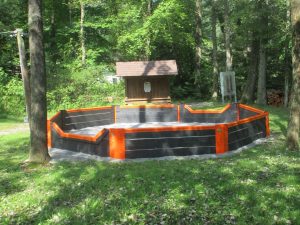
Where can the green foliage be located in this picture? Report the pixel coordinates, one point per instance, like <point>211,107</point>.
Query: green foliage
<point>118,30</point>
<point>12,97</point>
<point>83,88</point>
<point>258,186</point>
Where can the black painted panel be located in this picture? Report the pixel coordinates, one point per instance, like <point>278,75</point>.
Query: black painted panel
<point>259,125</point>
<point>87,117</point>
<point>244,113</point>
<point>229,115</point>
<point>242,142</point>
<point>245,134</point>
<point>144,115</point>
<point>79,120</point>
<point>180,133</point>
<point>99,148</point>
<point>169,143</point>
<point>169,152</point>
<point>154,143</point>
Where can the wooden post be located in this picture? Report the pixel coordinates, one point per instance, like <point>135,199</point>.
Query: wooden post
<point>24,71</point>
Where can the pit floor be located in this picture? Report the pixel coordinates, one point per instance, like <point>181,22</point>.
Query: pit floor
<point>92,131</point>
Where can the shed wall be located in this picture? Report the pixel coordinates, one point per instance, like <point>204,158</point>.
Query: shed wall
<point>159,88</point>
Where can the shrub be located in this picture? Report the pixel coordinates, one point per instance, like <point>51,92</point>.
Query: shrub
<point>12,98</point>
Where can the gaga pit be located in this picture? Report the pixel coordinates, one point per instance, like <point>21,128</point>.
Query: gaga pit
<point>129,132</point>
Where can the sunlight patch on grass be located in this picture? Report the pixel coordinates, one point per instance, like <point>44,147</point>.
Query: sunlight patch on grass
<point>257,186</point>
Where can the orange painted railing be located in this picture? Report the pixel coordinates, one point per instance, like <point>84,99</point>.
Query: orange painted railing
<point>117,135</point>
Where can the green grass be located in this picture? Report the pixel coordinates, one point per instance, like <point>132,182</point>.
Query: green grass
<point>258,186</point>
<point>10,122</point>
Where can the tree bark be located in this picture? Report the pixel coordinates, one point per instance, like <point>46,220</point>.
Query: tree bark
<point>249,88</point>
<point>70,12</point>
<point>263,40</point>
<point>148,39</point>
<point>198,40</point>
<point>215,50</point>
<point>261,86</point>
<point>53,45</point>
<point>292,140</point>
<point>82,34</point>
<point>287,56</point>
<point>38,126</point>
<point>24,71</point>
<point>227,35</point>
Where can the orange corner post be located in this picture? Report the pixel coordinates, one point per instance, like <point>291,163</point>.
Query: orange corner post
<point>221,138</point>
<point>117,143</point>
<point>268,132</point>
<point>49,141</point>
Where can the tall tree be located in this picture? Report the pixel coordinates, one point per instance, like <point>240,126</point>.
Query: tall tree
<point>227,34</point>
<point>261,85</point>
<point>82,33</point>
<point>262,66</point>
<point>249,88</point>
<point>287,59</point>
<point>292,139</point>
<point>215,48</point>
<point>198,39</point>
<point>53,44</point>
<point>148,39</point>
<point>38,126</point>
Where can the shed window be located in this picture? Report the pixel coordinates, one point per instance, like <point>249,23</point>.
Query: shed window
<point>147,87</point>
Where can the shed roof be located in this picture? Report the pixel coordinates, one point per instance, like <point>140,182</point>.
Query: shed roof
<point>147,68</point>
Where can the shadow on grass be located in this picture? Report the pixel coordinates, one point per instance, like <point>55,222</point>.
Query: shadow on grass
<point>253,187</point>
<point>258,186</point>
<point>11,153</point>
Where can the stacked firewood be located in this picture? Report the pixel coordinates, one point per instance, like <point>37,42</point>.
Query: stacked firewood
<point>275,97</point>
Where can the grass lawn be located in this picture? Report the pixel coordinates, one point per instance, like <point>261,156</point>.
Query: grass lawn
<point>10,122</point>
<point>258,186</point>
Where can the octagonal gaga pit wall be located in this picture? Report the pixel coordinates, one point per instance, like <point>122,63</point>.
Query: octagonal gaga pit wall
<point>122,132</point>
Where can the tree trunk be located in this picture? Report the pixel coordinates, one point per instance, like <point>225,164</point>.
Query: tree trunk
<point>263,40</point>
<point>148,39</point>
<point>215,50</point>
<point>286,90</point>
<point>198,40</point>
<point>292,140</point>
<point>53,45</point>
<point>38,126</point>
<point>287,56</point>
<point>24,71</point>
<point>249,88</point>
<point>82,34</point>
<point>70,12</point>
<point>227,37</point>
<point>261,86</point>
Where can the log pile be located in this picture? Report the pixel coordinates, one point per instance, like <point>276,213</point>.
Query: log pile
<point>275,97</point>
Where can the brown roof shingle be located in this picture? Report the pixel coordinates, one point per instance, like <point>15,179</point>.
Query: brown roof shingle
<point>147,68</point>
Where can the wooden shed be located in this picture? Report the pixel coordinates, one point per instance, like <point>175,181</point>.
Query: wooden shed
<point>147,81</point>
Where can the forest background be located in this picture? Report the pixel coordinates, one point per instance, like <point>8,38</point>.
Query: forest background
<point>84,39</point>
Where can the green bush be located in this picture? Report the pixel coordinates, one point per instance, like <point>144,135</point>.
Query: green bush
<point>66,89</point>
<point>83,88</point>
<point>12,98</point>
